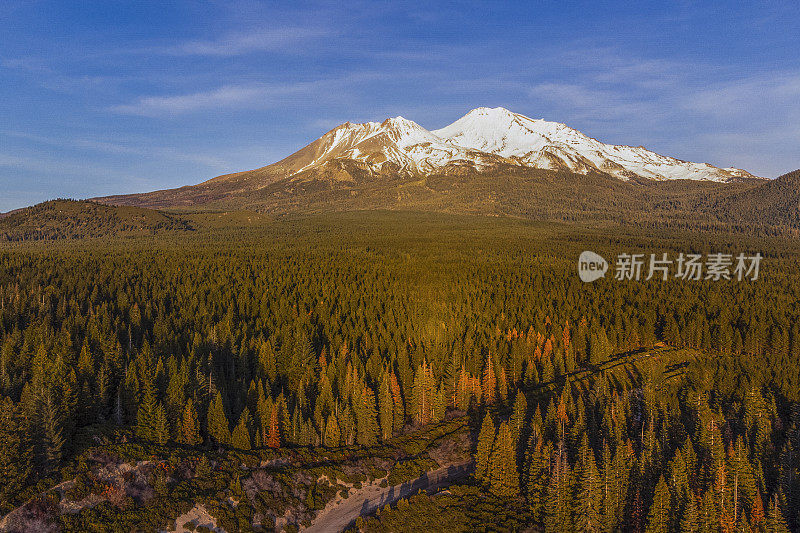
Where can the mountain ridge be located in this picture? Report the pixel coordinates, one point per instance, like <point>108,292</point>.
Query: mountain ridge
<point>483,138</point>
<point>489,162</point>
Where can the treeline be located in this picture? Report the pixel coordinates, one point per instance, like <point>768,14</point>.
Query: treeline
<point>321,347</point>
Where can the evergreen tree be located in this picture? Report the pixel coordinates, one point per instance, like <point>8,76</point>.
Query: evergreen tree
<point>690,518</point>
<point>240,438</point>
<point>218,426</point>
<point>399,413</point>
<point>502,471</point>
<point>146,413</point>
<point>757,512</point>
<point>16,454</point>
<point>538,464</point>
<point>189,428</point>
<point>52,436</point>
<point>558,512</point>
<point>775,522</point>
<point>588,495</point>
<point>660,511</point>
<point>386,407</point>
<point>332,433</point>
<point>423,394</point>
<point>519,416</point>
<point>489,382</point>
<point>366,418</point>
<point>273,439</point>
<point>160,429</point>
<point>709,517</point>
<point>486,439</point>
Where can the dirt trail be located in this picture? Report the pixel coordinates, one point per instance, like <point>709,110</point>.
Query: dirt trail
<point>367,500</point>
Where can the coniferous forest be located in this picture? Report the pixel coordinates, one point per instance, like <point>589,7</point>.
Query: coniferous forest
<point>268,371</point>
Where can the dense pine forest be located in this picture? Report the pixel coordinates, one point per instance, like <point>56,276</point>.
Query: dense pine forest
<point>347,332</point>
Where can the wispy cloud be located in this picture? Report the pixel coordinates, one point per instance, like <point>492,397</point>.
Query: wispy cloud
<point>689,110</point>
<point>749,95</point>
<point>249,95</point>
<point>38,165</point>
<point>585,100</point>
<point>273,39</point>
<point>118,149</point>
<point>226,96</point>
<point>27,64</point>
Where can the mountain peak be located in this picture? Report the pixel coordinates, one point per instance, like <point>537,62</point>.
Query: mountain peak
<point>552,145</point>
<point>490,111</point>
<point>490,135</point>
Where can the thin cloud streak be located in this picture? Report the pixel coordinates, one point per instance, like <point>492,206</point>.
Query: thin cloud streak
<point>254,95</point>
<point>275,39</point>
<point>113,148</point>
<point>39,165</point>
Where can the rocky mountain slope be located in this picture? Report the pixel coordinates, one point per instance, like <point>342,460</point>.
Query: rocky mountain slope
<point>493,162</point>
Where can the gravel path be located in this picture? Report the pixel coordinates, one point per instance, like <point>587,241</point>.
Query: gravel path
<point>372,497</point>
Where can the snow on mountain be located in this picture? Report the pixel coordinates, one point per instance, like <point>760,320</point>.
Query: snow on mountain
<point>487,136</point>
<point>397,140</point>
<point>544,144</point>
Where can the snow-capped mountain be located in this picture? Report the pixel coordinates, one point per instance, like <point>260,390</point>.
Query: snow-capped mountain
<point>397,140</point>
<point>484,137</point>
<point>544,144</point>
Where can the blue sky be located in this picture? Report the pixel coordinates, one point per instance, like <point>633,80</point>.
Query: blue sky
<point>117,97</point>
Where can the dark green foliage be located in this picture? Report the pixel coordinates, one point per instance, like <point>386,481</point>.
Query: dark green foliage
<point>16,454</point>
<point>502,471</point>
<point>483,453</point>
<point>343,332</point>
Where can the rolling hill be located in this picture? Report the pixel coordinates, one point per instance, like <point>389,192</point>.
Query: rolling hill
<point>68,219</point>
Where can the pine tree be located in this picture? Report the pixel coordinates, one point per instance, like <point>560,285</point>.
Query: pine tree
<point>399,413</point>
<point>332,433</point>
<point>189,429</point>
<point>347,425</point>
<point>489,382</point>
<point>502,385</point>
<point>267,368</point>
<point>519,416</point>
<point>709,517</point>
<point>16,453</point>
<point>51,431</point>
<point>386,407</point>
<point>558,515</point>
<point>366,418</point>
<point>240,438</point>
<point>757,512</point>
<point>146,413</point>
<point>537,464</point>
<point>775,522</point>
<point>423,394</point>
<point>588,497</point>
<point>660,510</point>
<point>273,439</point>
<point>160,430</point>
<point>176,393</point>
<point>217,420</point>
<point>502,472</point>
<point>482,455</point>
<point>690,519</point>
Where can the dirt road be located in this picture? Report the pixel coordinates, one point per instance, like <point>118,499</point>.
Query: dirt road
<point>371,498</point>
